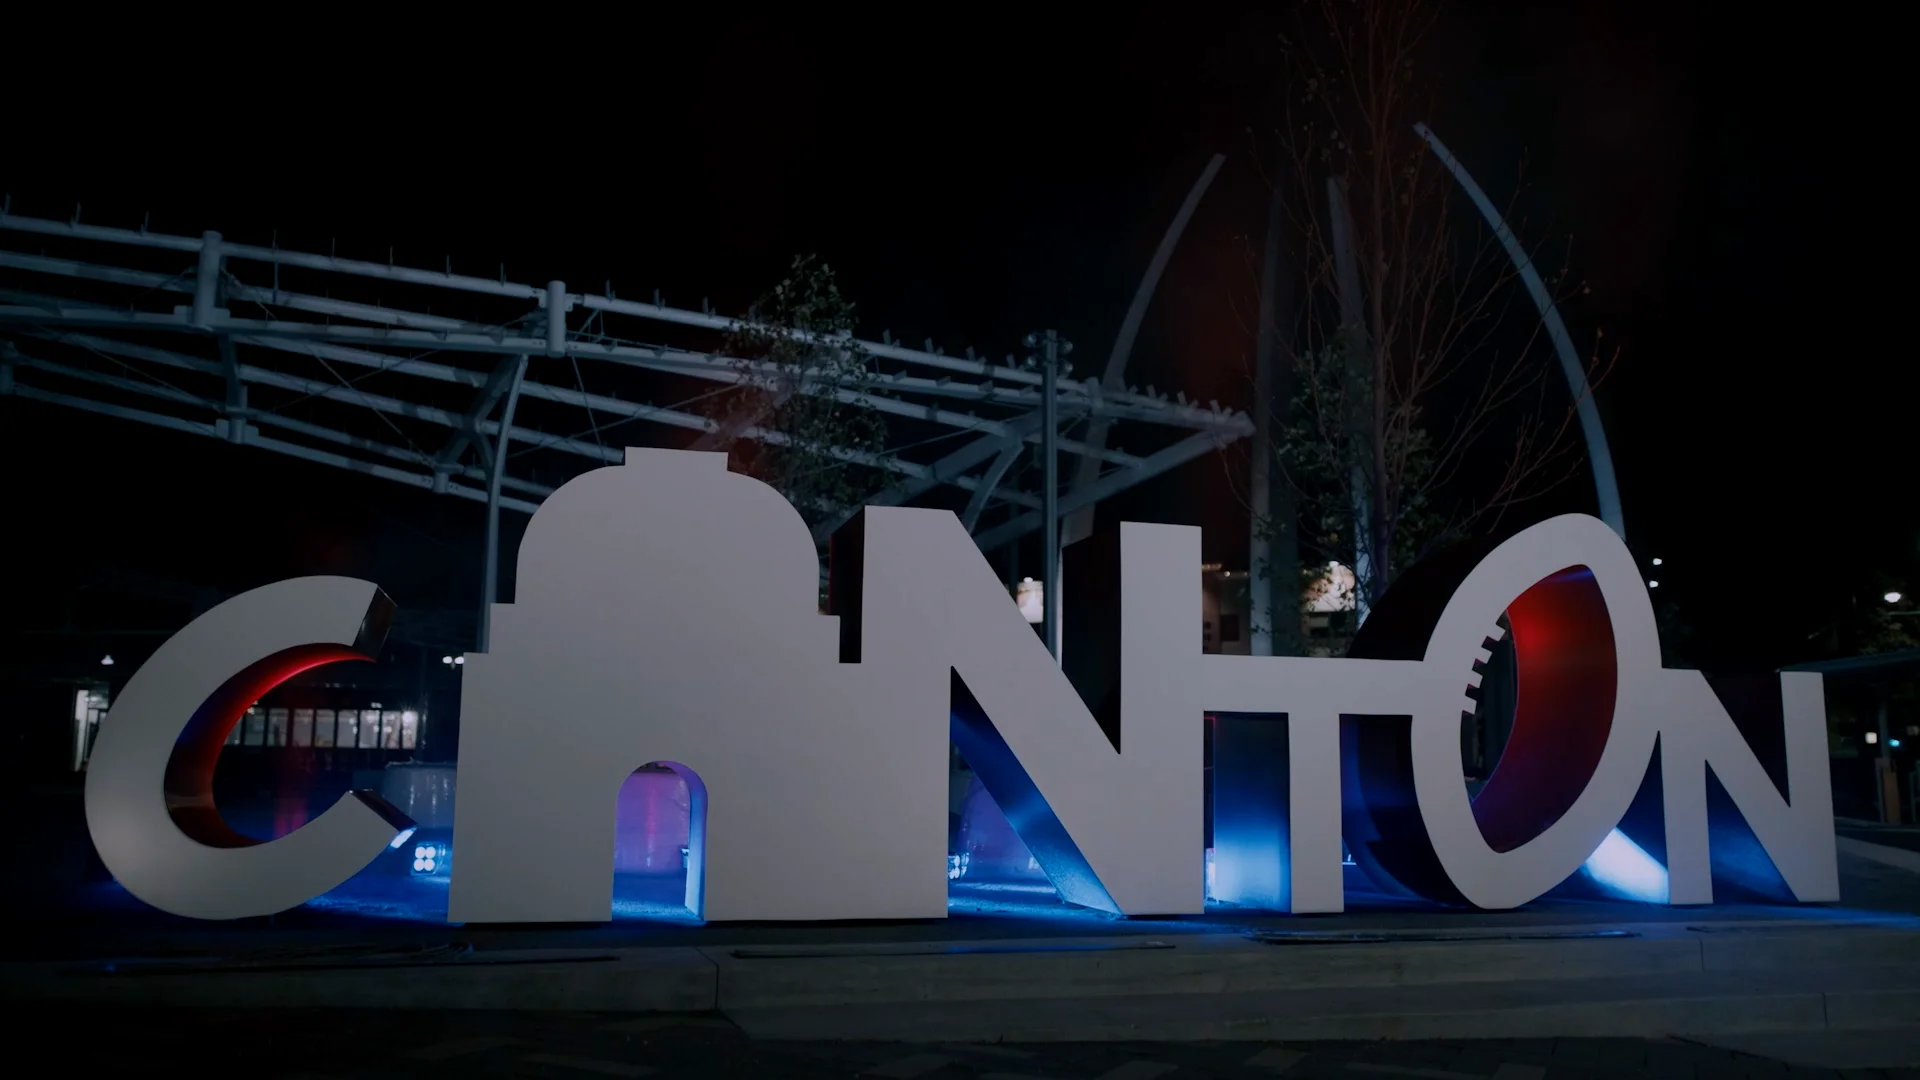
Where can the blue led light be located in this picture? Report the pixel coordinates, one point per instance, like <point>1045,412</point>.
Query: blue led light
<point>400,840</point>
<point>430,859</point>
<point>1623,868</point>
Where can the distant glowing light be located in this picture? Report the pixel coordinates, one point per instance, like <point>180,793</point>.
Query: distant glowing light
<point>957,866</point>
<point>1623,868</point>
<point>1332,590</point>
<point>1653,584</point>
<point>446,659</point>
<point>107,660</point>
<point>458,660</point>
<point>1872,737</point>
<point>1657,562</point>
<point>1893,743</point>
<point>1894,597</point>
<point>405,835</point>
<point>1031,595</point>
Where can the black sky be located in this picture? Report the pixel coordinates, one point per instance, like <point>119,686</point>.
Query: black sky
<point>972,180</point>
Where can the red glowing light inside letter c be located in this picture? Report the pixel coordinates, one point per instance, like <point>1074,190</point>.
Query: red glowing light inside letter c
<point>189,779</point>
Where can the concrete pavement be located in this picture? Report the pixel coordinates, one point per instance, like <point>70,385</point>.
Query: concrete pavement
<point>1700,979</point>
<point>341,1043</point>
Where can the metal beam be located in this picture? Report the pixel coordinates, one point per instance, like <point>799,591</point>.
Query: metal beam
<point>582,399</point>
<point>436,331</point>
<point>202,294</point>
<point>254,439</point>
<point>741,420</point>
<point>494,476</point>
<point>507,370</point>
<point>236,292</point>
<point>944,471</point>
<point>1050,497</point>
<point>989,482</point>
<point>701,366</point>
<point>1114,482</point>
<point>1079,525</point>
<point>463,283</point>
<point>315,388</point>
<point>299,427</point>
<point>472,378</point>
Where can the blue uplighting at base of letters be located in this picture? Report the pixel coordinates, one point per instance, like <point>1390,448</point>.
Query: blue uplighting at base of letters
<point>1620,867</point>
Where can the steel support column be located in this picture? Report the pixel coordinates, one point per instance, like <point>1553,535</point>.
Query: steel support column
<point>493,503</point>
<point>206,281</point>
<point>1050,490</point>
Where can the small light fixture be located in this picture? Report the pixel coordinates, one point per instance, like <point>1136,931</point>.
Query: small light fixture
<point>1893,597</point>
<point>107,660</point>
<point>1872,737</point>
<point>1653,584</point>
<point>458,660</point>
<point>446,659</point>
<point>1657,562</point>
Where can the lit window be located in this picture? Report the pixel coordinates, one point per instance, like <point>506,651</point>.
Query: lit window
<point>88,708</point>
<point>349,729</point>
<point>390,729</point>
<point>323,727</point>
<point>303,727</point>
<point>276,727</point>
<point>369,729</point>
<point>256,724</point>
<point>409,729</point>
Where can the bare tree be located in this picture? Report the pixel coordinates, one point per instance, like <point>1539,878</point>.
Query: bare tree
<point>781,422</point>
<point>1417,408</point>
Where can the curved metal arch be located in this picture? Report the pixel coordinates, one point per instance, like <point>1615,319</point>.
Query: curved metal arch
<point>1598,455</point>
<point>1079,524</point>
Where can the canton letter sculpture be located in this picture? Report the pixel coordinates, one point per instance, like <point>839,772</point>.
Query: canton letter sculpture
<point>667,612</point>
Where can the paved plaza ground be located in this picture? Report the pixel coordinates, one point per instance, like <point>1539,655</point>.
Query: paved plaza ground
<point>320,1045</point>
<point>341,1041</point>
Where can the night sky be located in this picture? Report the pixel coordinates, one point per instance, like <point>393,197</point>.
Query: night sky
<point>971,181</point>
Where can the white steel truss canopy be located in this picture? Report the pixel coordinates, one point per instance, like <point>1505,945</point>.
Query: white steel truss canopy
<point>398,373</point>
